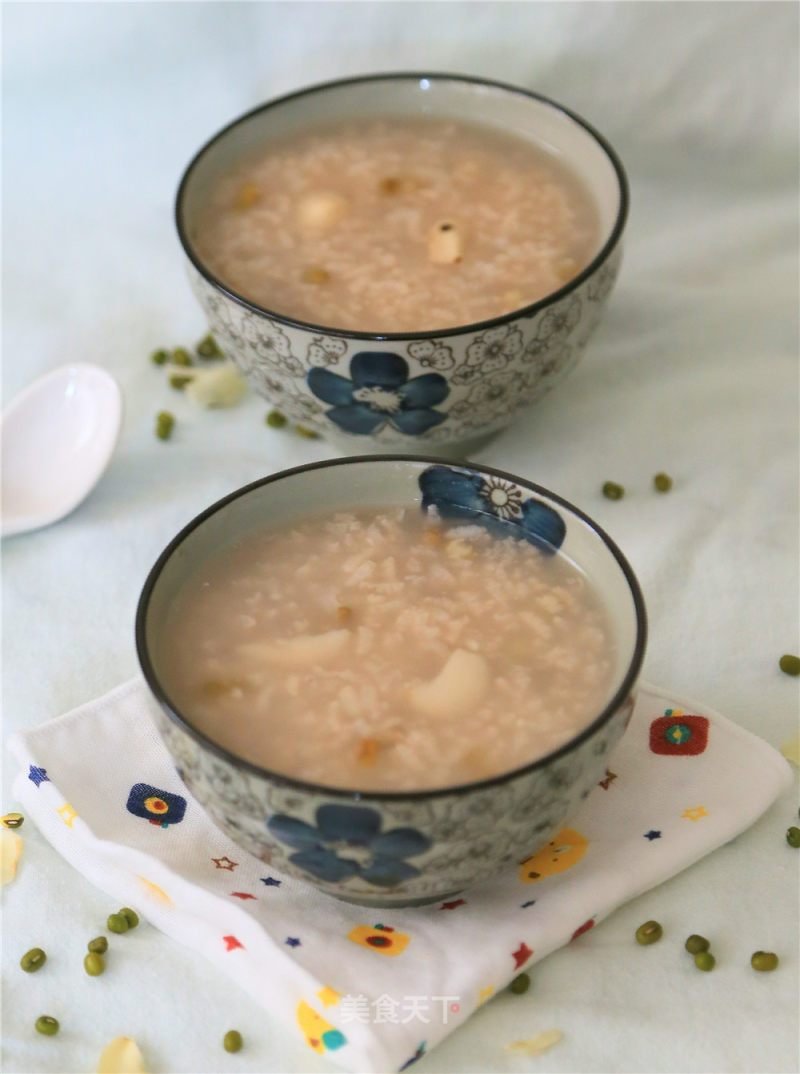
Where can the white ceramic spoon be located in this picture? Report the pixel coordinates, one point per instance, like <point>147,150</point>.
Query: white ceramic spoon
<point>57,438</point>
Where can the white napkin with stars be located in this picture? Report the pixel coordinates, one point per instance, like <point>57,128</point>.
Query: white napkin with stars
<point>375,989</point>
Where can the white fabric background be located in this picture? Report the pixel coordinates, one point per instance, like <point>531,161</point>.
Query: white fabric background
<point>694,370</point>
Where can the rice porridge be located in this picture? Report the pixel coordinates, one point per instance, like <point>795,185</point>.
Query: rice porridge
<point>383,650</point>
<point>397,225</point>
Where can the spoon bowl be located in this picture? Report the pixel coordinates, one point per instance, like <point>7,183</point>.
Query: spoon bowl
<point>57,437</point>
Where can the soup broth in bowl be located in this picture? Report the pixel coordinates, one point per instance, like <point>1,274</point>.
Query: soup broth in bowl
<point>391,676</point>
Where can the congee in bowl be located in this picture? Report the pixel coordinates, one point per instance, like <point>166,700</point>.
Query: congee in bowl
<point>388,650</point>
<point>391,676</point>
<point>401,259</point>
<point>397,224</point>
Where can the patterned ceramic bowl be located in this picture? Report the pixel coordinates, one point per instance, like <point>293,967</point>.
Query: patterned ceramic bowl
<point>396,849</point>
<point>427,388</point>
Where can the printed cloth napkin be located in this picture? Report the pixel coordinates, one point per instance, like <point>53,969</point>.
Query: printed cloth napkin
<point>683,781</point>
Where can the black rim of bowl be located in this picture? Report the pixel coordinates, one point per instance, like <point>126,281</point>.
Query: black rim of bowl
<point>457,330</point>
<point>174,714</point>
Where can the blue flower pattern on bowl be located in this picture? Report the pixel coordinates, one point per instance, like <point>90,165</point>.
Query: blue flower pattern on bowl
<point>380,393</point>
<point>347,842</point>
<point>493,502</point>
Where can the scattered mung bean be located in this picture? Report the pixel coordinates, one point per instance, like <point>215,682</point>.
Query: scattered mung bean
<point>765,961</point>
<point>209,348</point>
<point>117,923</point>
<point>696,943</point>
<point>12,820</point>
<point>180,356</point>
<point>275,419</point>
<point>178,381</point>
<point>99,945</point>
<point>793,836</point>
<point>705,961</point>
<point>165,423</point>
<point>33,960</point>
<point>520,984</point>
<point>309,434</point>
<point>93,964</point>
<point>47,1025</point>
<point>613,491</point>
<point>649,932</point>
<point>159,357</point>
<point>790,664</point>
<point>232,1041</point>
<point>662,482</point>
<point>130,916</point>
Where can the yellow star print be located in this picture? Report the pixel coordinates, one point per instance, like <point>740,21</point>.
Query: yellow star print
<point>154,890</point>
<point>485,993</point>
<point>695,813</point>
<point>67,814</point>
<point>329,996</point>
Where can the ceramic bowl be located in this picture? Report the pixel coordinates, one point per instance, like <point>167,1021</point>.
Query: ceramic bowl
<point>478,377</point>
<point>431,843</point>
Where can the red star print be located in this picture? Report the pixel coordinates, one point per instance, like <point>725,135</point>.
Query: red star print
<point>584,928</point>
<point>521,955</point>
<point>242,895</point>
<point>225,863</point>
<point>452,905</point>
<point>231,943</point>
<point>609,779</point>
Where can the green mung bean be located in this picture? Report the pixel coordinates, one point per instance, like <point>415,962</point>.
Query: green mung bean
<point>33,960</point>
<point>209,348</point>
<point>232,1041</point>
<point>695,944</point>
<point>165,423</point>
<point>649,932</point>
<point>93,964</point>
<point>117,923</point>
<point>765,961</point>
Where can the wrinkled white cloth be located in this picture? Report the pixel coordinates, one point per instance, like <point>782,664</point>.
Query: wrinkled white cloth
<point>376,989</point>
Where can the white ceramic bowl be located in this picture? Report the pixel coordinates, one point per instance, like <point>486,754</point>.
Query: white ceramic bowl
<point>479,376</point>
